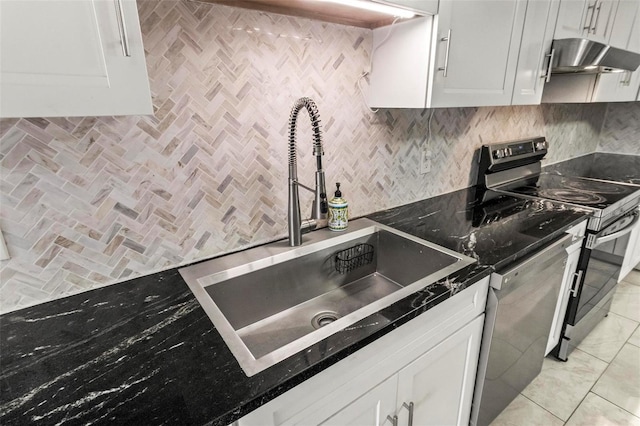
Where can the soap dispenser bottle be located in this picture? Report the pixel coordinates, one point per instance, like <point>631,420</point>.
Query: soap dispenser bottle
<point>338,211</point>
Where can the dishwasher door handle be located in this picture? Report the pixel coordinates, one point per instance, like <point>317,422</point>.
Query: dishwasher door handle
<point>552,251</point>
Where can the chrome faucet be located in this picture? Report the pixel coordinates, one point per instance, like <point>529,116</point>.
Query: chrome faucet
<point>319,207</point>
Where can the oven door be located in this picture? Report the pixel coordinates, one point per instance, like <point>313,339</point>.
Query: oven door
<point>605,262</point>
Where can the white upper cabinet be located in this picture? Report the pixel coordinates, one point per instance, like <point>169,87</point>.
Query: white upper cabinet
<point>625,86</point>
<point>72,58</point>
<point>400,64</point>
<point>592,19</point>
<point>477,48</point>
<point>625,32</point>
<point>534,59</point>
<point>464,56</point>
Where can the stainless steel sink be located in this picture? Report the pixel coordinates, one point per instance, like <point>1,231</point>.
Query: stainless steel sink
<point>272,301</point>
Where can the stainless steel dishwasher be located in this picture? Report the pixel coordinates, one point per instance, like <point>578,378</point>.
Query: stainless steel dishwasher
<point>520,309</point>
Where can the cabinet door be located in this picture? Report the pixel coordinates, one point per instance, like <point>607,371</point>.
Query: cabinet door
<point>622,87</point>
<point>371,409</point>
<point>67,58</point>
<point>573,18</point>
<point>617,87</point>
<point>624,31</point>
<point>632,253</point>
<point>565,292</point>
<point>602,24</point>
<point>535,49</point>
<point>440,383</point>
<point>477,52</point>
<point>400,60</point>
<point>590,19</point>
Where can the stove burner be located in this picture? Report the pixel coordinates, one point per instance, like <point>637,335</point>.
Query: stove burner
<point>572,196</point>
<point>595,186</point>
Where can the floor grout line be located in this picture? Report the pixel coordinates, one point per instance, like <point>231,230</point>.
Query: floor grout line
<point>601,374</point>
<point>594,383</point>
<point>613,403</point>
<point>542,407</point>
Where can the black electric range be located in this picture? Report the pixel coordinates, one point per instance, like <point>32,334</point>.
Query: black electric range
<point>514,168</point>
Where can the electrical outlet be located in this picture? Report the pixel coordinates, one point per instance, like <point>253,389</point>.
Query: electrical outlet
<point>425,161</point>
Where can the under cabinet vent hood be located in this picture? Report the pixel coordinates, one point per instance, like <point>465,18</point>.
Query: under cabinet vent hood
<point>579,55</point>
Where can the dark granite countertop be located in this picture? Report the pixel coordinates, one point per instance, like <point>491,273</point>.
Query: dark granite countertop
<point>496,232</point>
<point>144,352</point>
<point>601,165</point>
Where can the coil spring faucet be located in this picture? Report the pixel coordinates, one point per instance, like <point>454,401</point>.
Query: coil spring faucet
<point>319,208</point>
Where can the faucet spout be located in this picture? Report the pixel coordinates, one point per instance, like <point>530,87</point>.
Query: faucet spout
<point>319,208</point>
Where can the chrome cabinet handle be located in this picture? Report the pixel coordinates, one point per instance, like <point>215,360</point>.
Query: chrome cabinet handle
<point>446,53</point>
<point>547,75</point>
<point>593,10</point>
<point>595,25</point>
<point>393,420</point>
<point>123,29</point>
<point>409,407</point>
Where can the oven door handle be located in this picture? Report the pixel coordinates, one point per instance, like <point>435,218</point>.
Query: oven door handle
<point>627,229</point>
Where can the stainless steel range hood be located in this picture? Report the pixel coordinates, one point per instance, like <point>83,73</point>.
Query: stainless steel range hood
<point>579,55</point>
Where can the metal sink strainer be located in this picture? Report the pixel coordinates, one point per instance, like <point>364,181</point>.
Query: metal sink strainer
<point>324,318</point>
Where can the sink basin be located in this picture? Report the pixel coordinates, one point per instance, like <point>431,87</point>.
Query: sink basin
<point>273,301</point>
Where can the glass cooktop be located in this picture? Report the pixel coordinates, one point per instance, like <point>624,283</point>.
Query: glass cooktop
<point>571,190</point>
<point>602,166</point>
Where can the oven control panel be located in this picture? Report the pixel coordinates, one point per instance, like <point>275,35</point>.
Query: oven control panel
<point>518,149</point>
<point>509,156</point>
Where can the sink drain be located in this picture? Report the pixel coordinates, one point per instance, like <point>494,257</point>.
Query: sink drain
<point>323,318</point>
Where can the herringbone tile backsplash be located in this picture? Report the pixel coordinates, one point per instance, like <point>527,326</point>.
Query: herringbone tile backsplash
<point>92,201</point>
<point>621,129</point>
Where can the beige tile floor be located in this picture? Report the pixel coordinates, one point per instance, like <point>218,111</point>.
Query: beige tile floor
<point>599,384</point>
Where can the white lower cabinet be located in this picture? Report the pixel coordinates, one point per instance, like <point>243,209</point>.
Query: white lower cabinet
<point>372,408</point>
<point>631,258</point>
<point>425,370</point>
<point>569,281</point>
<point>435,389</point>
<point>440,383</point>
